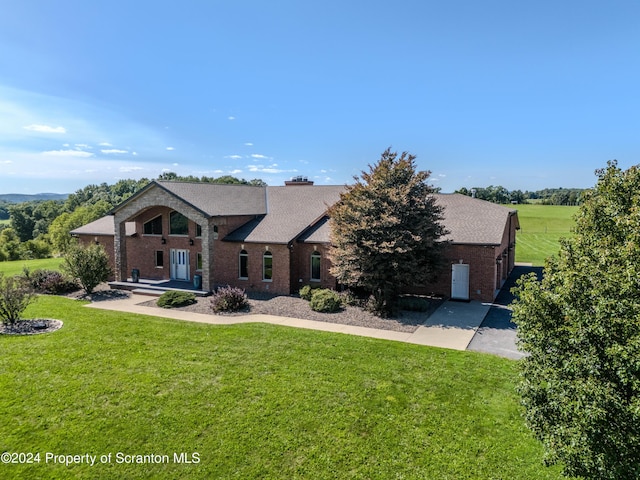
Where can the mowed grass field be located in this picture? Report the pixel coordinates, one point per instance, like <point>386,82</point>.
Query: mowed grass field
<point>253,401</point>
<point>17,267</point>
<point>541,227</point>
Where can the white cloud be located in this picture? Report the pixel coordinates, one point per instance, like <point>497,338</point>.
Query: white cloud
<point>249,144</point>
<point>68,153</point>
<point>269,169</point>
<point>231,118</point>
<point>130,169</point>
<point>113,150</point>
<point>134,154</point>
<point>175,164</point>
<point>257,155</point>
<point>233,172</point>
<point>170,149</point>
<point>105,144</point>
<point>6,162</point>
<point>45,129</point>
<point>234,157</point>
<point>82,145</point>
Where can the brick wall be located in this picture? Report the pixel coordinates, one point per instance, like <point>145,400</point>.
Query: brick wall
<point>301,266</point>
<point>227,270</point>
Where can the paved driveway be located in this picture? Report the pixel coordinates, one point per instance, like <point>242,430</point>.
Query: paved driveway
<point>497,333</point>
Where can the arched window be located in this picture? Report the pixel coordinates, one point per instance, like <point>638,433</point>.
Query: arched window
<point>267,266</point>
<point>315,266</point>
<point>243,264</point>
<point>153,227</point>
<point>178,224</point>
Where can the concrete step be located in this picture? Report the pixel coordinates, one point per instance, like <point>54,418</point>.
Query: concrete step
<point>147,291</point>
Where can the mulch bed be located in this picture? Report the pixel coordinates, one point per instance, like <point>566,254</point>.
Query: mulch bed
<point>294,306</point>
<point>33,326</point>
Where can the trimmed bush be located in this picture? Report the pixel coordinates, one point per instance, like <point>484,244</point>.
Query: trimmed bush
<point>325,300</point>
<point>306,292</point>
<point>414,304</point>
<point>15,296</point>
<point>49,282</point>
<point>229,299</point>
<point>174,298</point>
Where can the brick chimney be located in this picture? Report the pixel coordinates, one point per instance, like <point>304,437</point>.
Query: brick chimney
<point>296,181</point>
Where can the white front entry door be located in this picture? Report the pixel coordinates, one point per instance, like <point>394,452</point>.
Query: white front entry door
<point>179,264</point>
<point>460,281</point>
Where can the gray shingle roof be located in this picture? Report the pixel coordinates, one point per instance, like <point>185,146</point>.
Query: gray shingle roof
<point>473,221</point>
<point>290,210</point>
<point>103,226</point>
<point>220,199</point>
<point>286,213</point>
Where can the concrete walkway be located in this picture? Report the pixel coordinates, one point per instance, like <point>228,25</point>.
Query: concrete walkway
<point>452,326</point>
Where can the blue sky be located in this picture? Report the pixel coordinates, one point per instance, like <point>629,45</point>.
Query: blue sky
<point>527,95</point>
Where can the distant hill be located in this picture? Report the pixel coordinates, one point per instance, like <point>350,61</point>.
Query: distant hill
<point>20,197</point>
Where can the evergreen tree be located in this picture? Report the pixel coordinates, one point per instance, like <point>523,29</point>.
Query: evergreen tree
<point>581,325</point>
<point>385,230</point>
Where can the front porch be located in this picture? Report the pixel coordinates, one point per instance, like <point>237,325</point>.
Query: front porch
<point>157,287</point>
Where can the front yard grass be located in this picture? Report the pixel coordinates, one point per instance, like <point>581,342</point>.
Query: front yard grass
<point>254,401</point>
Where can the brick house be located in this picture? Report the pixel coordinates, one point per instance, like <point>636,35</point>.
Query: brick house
<point>276,239</point>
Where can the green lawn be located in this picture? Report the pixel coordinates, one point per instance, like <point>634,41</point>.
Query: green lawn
<point>16,267</point>
<point>541,228</point>
<point>255,401</point>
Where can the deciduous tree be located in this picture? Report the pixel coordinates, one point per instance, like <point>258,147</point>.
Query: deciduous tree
<point>581,325</point>
<point>386,230</point>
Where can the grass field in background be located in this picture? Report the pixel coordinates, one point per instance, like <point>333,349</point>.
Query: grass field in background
<point>255,401</point>
<point>16,267</point>
<point>541,226</point>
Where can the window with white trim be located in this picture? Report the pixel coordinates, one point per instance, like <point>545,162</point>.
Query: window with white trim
<point>315,266</point>
<point>243,265</point>
<point>267,266</point>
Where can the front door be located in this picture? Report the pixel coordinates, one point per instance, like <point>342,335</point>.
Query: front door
<point>179,264</point>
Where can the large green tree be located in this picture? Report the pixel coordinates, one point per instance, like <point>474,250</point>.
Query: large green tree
<point>580,385</point>
<point>385,230</point>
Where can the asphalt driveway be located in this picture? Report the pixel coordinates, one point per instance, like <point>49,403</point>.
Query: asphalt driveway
<point>497,333</point>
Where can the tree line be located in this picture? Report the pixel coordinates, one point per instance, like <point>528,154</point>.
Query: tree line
<point>41,228</point>
<point>547,196</point>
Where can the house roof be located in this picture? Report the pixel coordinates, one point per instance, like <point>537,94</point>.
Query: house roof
<point>103,226</point>
<point>473,221</point>
<point>212,199</point>
<point>290,211</point>
<point>287,213</point>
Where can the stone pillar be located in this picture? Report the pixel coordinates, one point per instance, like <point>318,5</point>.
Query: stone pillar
<point>207,255</point>
<point>120,247</point>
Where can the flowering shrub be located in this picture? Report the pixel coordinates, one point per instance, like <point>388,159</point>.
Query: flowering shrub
<point>49,282</point>
<point>229,299</point>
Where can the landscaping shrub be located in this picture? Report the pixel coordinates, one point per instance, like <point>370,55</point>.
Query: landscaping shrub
<point>306,292</point>
<point>90,265</point>
<point>174,298</point>
<point>414,304</point>
<point>49,282</point>
<point>229,299</point>
<point>15,296</point>
<point>325,300</point>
